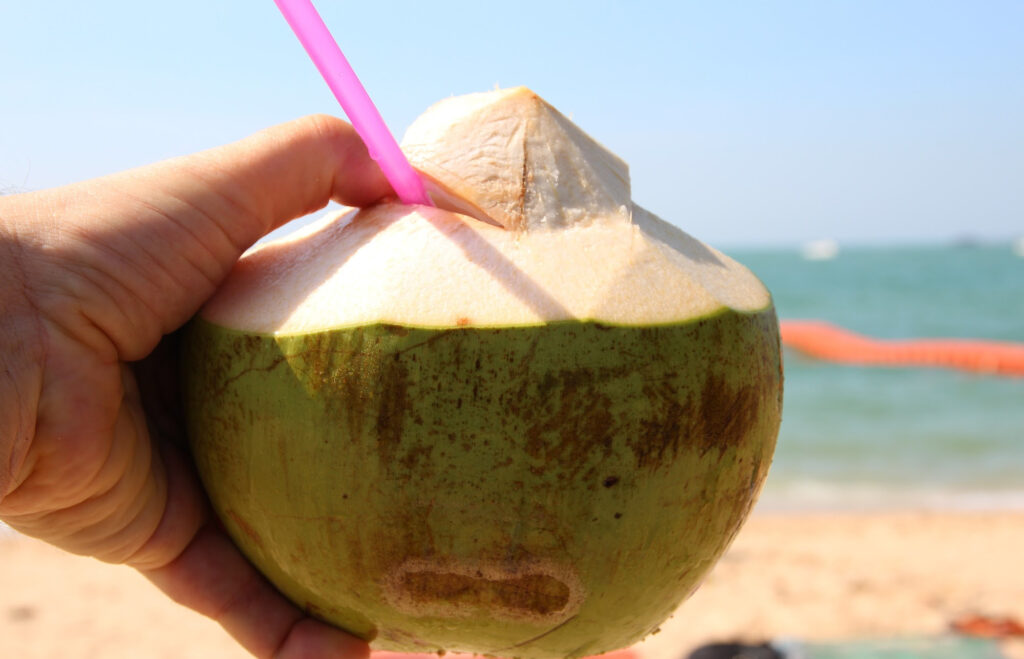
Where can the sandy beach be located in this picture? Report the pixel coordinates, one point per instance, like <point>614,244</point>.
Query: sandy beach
<point>805,576</point>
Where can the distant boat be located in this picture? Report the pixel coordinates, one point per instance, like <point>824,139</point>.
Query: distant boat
<point>820,250</point>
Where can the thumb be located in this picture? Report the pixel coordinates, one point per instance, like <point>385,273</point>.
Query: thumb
<point>274,176</point>
<point>150,245</point>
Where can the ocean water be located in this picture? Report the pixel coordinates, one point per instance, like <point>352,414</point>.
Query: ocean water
<point>869,437</point>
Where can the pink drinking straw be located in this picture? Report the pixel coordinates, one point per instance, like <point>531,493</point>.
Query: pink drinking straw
<point>330,61</point>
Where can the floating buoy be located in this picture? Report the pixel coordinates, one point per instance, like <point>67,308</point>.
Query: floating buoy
<point>825,341</point>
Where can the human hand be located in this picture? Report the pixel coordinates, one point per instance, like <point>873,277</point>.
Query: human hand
<point>92,277</point>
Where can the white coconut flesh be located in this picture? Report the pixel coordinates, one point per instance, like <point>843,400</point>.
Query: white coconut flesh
<point>558,238</point>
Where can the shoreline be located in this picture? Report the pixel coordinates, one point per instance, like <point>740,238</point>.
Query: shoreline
<point>808,576</point>
<point>815,497</point>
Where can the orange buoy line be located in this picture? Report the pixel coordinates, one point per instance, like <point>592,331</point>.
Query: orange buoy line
<point>829,342</point>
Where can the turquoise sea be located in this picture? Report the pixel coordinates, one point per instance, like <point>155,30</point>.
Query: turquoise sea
<point>868,437</point>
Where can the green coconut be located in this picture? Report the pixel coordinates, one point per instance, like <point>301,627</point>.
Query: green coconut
<point>525,423</point>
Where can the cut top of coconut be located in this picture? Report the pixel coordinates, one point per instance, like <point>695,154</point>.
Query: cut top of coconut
<point>562,240</point>
<point>513,158</point>
<point>427,267</point>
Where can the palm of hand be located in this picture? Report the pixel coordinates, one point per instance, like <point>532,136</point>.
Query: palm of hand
<point>94,483</point>
<point>92,480</point>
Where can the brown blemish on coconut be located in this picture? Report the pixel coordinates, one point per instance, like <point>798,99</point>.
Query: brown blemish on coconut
<point>393,403</point>
<point>245,527</point>
<point>395,330</point>
<point>536,594</point>
<point>715,414</point>
<point>222,371</point>
<point>726,414</point>
<point>504,590</point>
<point>660,436</point>
<point>571,421</point>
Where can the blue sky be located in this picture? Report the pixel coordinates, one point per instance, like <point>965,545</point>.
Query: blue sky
<point>754,123</point>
